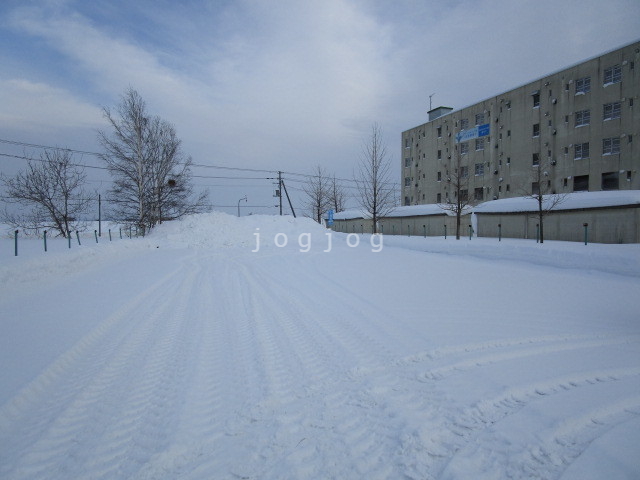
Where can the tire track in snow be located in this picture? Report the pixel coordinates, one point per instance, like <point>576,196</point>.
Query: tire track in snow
<point>545,347</point>
<point>550,449</point>
<point>114,413</point>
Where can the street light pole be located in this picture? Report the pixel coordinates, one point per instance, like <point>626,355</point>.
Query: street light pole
<point>243,198</point>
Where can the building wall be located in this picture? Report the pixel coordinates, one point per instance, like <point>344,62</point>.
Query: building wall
<point>605,225</point>
<point>503,166</point>
<point>433,225</point>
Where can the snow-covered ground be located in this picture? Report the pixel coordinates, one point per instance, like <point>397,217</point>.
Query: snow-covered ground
<point>187,354</point>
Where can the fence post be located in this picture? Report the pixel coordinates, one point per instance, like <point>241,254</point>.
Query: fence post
<point>109,234</point>
<point>499,232</point>
<point>95,232</point>
<point>470,231</point>
<point>424,227</point>
<point>445,231</point>
<point>69,237</point>
<point>15,239</point>
<point>586,226</point>
<point>120,233</point>
<point>78,237</point>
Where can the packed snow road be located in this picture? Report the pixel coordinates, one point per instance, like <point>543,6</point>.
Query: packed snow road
<point>188,355</point>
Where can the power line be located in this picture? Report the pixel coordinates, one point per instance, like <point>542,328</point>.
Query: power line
<point>197,165</point>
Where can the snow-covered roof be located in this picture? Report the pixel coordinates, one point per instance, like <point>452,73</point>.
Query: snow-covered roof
<point>406,211</point>
<point>570,201</point>
<point>350,215</point>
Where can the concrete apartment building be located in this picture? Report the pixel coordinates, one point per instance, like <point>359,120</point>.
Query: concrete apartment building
<point>581,125</point>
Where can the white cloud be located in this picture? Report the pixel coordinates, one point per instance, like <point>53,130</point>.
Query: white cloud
<point>36,106</point>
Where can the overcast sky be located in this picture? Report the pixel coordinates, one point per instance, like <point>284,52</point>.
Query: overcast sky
<point>279,85</point>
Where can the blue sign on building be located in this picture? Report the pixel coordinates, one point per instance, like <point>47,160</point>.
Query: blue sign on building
<point>475,132</point>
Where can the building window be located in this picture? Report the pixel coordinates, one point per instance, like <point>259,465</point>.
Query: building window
<point>479,144</point>
<point>464,172</point>
<point>610,146</point>
<point>406,143</point>
<point>610,181</point>
<point>581,183</point>
<point>439,132</point>
<point>407,181</point>
<point>583,85</point>
<point>407,161</point>
<point>536,99</point>
<point>535,188</point>
<point>613,74</point>
<point>464,148</point>
<point>536,130</point>
<point>583,117</point>
<point>479,118</point>
<point>581,150</point>
<point>611,111</point>
<point>407,201</point>
<point>479,169</point>
<point>535,159</point>
<point>478,193</point>
<point>439,154</point>
<point>508,187</point>
<point>439,176</point>
<point>464,124</point>
<point>464,195</point>
<point>439,198</point>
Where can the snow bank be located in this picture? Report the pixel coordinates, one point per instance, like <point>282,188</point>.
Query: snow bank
<point>218,229</point>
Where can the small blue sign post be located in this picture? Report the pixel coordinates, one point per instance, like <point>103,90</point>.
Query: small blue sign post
<point>330,217</point>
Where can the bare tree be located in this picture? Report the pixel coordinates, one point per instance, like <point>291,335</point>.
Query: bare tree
<point>152,177</point>
<point>318,190</point>
<point>53,189</point>
<point>337,195</point>
<point>458,179</point>
<point>541,191</point>
<point>376,193</point>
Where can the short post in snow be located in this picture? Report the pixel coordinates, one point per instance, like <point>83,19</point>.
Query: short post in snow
<point>78,237</point>
<point>45,240</point>
<point>130,236</point>
<point>537,233</point>
<point>445,231</point>
<point>15,241</point>
<point>470,231</point>
<point>424,228</point>
<point>109,234</point>
<point>499,232</point>
<point>586,237</point>
<point>120,233</point>
<point>95,232</point>
<point>69,237</point>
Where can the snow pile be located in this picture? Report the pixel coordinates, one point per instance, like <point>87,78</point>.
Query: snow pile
<point>218,229</point>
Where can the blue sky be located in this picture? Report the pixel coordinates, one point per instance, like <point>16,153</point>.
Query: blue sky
<point>279,85</point>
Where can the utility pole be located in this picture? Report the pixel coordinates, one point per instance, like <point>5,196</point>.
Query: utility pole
<point>430,100</point>
<point>99,216</point>
<point>288,199</point>
<point>280,190</point>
